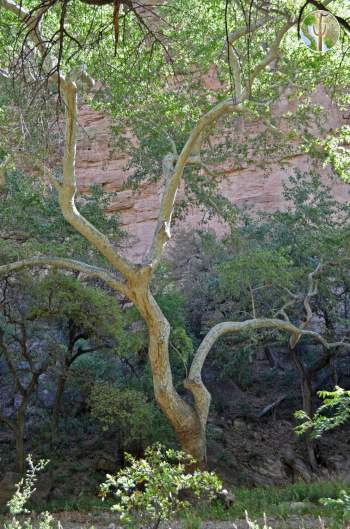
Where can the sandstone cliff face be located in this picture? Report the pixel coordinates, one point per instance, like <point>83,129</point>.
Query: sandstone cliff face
<point>100,163</point>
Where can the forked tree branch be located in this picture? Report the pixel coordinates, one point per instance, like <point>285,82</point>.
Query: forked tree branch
<point>162,231</point>
<point>271,56</point>
<point>197,137</point>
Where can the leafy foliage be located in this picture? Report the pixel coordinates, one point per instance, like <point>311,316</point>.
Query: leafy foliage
<point>129,412</point>
<point>32,222</point>
<point>148,490</point>
<point>24,490</point>
<point>340,505</point>
<point>334,412</point>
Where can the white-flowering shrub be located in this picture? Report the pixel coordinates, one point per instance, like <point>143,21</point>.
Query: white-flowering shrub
<point>154,488</point>
<point>25,488</point>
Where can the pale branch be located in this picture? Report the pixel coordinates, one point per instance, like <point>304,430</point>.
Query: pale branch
<point>269,57</point>
<point>68,189</point>
<point>236,71</point>
<point>3,166</point>
<point>233,56</point>
<point>67,264</point>
<point>273,53</point>
<point>234,327</point>
<point>32,24</point>
<point>271,406</point>
<point>313,279</point>
<point>313,282</point>
<point>194,381</point>
<point>235,35</point>
<point>162,231</point>
<point>282,311</point>
<point>193,143</point>
<point>4,73</point>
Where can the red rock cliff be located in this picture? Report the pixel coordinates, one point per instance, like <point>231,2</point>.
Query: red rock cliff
<point>98,163</point>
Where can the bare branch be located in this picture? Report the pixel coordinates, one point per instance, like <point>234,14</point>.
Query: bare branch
<point>235,35</point>
<point>68,191</point>
<point>8,422</point>
<point>67,264</point>
<point>194,381</point>
<point>10,364</point>
<point>236,70</point>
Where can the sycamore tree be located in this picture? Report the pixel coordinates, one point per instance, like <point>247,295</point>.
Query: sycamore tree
<point>151,60</point>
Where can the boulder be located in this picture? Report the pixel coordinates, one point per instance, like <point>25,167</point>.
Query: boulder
<point>298,466</point>
<point>297,506</point>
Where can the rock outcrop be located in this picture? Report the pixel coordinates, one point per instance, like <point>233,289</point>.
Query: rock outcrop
<point>99,162</point>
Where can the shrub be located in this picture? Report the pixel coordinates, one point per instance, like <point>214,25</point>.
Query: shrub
<point>128,411</point>
<point>153,489</point>
<point>340,505</point>
<point>334,412</point>
<point>24,490</point>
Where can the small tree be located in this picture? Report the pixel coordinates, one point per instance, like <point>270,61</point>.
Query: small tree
<point>48,322</point>
<point>24,360</point>
<point>85,320</point>
<point>291,264</point>
<point>153,489</point>
<point>130,413</point>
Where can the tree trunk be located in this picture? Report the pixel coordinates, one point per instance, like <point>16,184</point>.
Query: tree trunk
<point>19,432</point>
<point>306,386</point>
<point>57,406</point>
<point>306,391</point>
<point>184,418</point>
<point>194,442</point>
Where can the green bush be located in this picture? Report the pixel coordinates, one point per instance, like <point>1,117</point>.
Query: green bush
<point>339,505</point>
<point>129,412</point>
<point>334,412</point>
<point>153,489</point>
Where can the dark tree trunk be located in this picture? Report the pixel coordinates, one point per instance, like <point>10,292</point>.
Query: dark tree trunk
<point>19,433</point>
<point>306,386</point>
<point>306,391</point>
<point>57,406</point>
